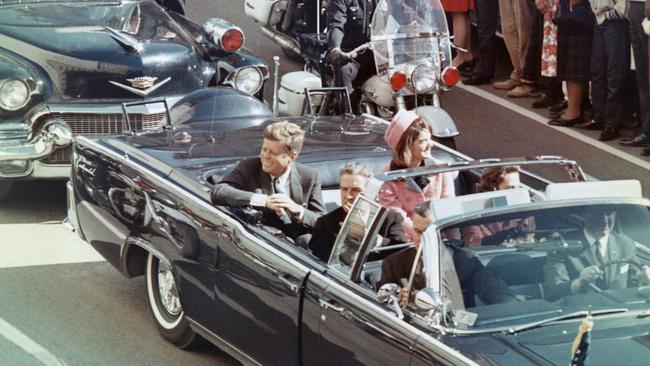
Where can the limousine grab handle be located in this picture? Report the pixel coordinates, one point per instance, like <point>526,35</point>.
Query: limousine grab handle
<point>328,305</point>
<point>290,282</point>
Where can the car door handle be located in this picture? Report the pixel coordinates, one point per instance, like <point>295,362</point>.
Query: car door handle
<point>328,305</point>
<point>290,282</point>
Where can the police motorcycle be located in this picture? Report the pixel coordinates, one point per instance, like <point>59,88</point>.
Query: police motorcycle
<point>412,51</point>
<point>283,21</point>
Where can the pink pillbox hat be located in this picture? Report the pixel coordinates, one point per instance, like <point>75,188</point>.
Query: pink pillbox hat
<point>398,125</point>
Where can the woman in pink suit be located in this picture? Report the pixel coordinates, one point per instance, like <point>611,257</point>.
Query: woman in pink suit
<point>410,138</point>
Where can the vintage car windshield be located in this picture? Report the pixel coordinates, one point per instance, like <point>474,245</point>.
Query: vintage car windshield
<point>518,267</point>
<point>406,31</point>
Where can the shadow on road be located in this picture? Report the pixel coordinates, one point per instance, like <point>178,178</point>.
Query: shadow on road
<point>33,202</point>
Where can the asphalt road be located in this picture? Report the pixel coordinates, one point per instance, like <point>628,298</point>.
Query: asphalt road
<point>62,304</point>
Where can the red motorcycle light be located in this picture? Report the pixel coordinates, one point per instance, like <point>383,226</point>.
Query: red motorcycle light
<point>450,76</point>
<point>232,40</point>
<point>398,80</point>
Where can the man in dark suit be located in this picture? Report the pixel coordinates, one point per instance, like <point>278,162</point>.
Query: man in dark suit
<point>288,192</point>
<point>590,270</point>
<point>470,277</point>
<point>353,179</point>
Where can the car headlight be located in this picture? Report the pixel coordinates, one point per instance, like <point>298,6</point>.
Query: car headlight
<point>248,79</point>
<point>14,94</point>
<point>423,78</point>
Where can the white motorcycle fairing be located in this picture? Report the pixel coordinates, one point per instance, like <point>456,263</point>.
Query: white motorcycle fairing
<point>377,89</point>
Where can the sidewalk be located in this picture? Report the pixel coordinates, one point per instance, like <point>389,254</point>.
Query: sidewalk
<point>24,245</point>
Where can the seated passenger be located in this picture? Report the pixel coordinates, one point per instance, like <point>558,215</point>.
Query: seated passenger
<point>410,138</point>
<point>608,260</point>
<point>495,233</point>
<point>289,192</point>
<point>353,180</point>
<point>470,277</point>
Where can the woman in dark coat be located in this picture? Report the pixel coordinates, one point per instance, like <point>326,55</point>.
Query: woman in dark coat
<point>575,34</point>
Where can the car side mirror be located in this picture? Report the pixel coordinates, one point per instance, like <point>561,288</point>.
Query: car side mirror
<point>389,294</point>
<point>428,299</point>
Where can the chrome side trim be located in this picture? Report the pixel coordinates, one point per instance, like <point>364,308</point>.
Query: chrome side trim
<point>222,343</point>
<point>139,242</point>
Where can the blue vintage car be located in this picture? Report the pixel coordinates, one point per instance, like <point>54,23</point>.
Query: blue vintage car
<point>142,200</point>
<point>66,66</point>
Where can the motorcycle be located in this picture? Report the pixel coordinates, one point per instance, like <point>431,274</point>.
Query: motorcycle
<point>283,21</point>
<point>411,45</point>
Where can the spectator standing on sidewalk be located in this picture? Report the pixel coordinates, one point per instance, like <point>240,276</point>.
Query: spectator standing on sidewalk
<point>610,64</point>
<point>462,30</point>
<point>516,23</point>
<point>532,61</point>
<point>639,39</point>
<point>553,94</point>
<point>488,14</point>
<point>575,21</point>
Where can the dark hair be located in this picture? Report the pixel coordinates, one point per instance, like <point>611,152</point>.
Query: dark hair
<point>402,153</point>
<point>494,176</point>
<point>423,209</point>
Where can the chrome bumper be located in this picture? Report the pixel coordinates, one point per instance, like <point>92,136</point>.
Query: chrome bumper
<point>54,134</point>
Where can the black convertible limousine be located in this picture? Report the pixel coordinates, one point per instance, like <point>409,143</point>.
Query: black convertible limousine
<point>142,200</point>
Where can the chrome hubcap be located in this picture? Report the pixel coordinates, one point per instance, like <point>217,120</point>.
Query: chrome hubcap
<point>167,289</point>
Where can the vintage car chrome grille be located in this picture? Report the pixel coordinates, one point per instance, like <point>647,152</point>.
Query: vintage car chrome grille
<point>95,125</point>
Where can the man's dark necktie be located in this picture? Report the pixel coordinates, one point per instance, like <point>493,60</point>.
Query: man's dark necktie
<point>279,188</point>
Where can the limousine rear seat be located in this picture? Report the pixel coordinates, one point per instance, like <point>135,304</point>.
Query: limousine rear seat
<point>328,173</point>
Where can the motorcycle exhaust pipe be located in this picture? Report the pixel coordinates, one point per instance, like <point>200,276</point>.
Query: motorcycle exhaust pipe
<point>282,40</point>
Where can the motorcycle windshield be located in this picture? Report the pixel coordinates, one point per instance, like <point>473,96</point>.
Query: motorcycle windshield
<point>410,31</point>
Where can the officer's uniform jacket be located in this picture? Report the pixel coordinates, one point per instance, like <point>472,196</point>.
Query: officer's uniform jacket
<point>348,23</point>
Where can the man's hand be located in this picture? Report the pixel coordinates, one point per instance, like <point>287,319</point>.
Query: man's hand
<point>280,202</point>
<point>334,55</point>
<point>541,5</point>
<point>587,276</point>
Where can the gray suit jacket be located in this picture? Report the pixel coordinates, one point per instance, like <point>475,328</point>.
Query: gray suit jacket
<point>238,186</point>
<point>560,269</point>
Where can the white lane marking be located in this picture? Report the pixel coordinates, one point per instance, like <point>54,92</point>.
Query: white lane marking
<point>567,131</point>
<point>24,245</point>
<point>15,336</point>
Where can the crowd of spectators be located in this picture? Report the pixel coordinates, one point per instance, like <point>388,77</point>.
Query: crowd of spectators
<point>597,48</point>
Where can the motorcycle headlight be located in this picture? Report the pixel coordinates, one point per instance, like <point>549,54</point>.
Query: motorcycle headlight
<point>248,79</point>
<point>14,94</point>
<point>423,78</point>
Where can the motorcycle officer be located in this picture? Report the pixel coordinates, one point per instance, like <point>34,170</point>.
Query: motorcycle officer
<point>348,26</point>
